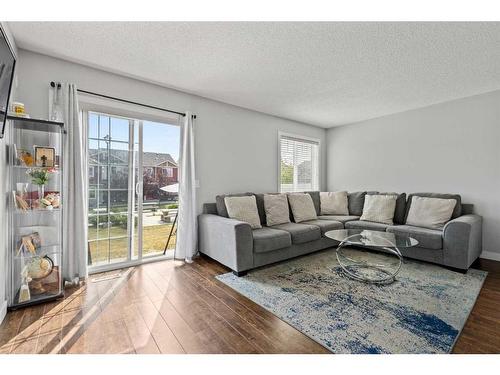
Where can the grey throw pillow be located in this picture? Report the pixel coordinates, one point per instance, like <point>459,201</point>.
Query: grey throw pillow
<point>276,207</point>
<point>302,207</point>
<point>356,201</point>
<point>243,209</point>
<point>430,212</point>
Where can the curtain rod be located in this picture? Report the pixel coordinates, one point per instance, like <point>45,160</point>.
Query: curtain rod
<point>132,102</point>
<point>52,84</point>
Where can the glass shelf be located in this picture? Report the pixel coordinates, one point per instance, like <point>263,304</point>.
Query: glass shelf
<point>35,225</point>
<point>37,210</point>
<point>40,298</point>
<point>24,169</point>
<point>36,124</point>
<point>41,252</point>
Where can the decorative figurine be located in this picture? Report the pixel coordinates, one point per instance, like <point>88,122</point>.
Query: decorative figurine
<point>24,291</point>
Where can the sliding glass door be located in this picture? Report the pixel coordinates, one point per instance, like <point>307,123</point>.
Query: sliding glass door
<point>133,189</point>
<point>160,187</point>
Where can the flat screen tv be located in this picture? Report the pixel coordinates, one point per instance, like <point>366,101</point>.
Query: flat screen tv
<point>7,65</point>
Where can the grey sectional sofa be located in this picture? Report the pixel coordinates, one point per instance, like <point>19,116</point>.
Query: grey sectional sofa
<point>234,243</point>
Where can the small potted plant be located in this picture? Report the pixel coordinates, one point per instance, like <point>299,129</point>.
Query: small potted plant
<point>40,177</point>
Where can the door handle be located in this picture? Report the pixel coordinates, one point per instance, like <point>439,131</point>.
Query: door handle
<point>137,186</point>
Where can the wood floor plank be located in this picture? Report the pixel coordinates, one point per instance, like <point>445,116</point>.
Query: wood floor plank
<point>30,323</point>
<point>271,321</point>
<point>226,331</point>
<point>138,331</point>
<point>50,334</point>
<point>105,338</point>
<point>200,319</point>
<point>9,329</point>
<point>263,320</point>
<point>27,346</point>
<point>191,342</point>
<point>237,319</point>
<point>161,333</point>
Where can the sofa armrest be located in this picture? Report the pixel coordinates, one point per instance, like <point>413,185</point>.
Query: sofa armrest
<point>228,241</point>
<point>462,241</point>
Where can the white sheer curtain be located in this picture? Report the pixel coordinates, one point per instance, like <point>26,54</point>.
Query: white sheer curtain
<point>187,223</point>
<point>74,189</point>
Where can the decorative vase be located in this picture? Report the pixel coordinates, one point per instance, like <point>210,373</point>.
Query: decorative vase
<point>41,191</point>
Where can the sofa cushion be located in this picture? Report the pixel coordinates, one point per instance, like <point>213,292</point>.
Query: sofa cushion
<point>221,205</point>
<point>359,224</point>
<point>341,218</point>
<point>210,208</point>
<point>334,203</point>
<point>379,208</point>
<point>325,225</point>
<point>302,207</point>
<point>260,206</point>
<point>316,201</point>
<point>243,209</point>
<point>300,233</point>
<point>431,213</point>
<point>400,211</point>
<point>276,207</point>
<point>268,239</point>
<point>457,211</point>
<point>427,238</point>
<point>355,202</point>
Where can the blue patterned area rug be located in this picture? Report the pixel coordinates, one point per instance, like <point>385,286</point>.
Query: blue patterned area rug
<point>423,311</point>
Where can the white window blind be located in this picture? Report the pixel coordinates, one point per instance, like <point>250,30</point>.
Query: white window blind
<point>299,164</point>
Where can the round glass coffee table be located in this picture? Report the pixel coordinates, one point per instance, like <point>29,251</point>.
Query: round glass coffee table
<point>367,271</point>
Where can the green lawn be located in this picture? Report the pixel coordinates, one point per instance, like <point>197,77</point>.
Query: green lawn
<point>154,239</point>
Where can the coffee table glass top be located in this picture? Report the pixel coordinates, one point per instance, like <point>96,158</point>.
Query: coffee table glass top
<point>372,238</point>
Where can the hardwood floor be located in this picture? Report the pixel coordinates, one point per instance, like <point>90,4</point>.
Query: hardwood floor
<point>171,307</point>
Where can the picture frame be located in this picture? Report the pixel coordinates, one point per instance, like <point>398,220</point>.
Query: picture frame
<point>23,157</point>
<point>45,156</point>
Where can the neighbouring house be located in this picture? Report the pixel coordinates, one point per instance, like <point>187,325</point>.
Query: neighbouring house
<point>112,167</point>
<point>160,166</point>
<point>159,170</point>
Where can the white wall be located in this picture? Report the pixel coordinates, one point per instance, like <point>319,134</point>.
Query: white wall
<point>3,202</point>
<point>451,147</point>
<point>236,148</point>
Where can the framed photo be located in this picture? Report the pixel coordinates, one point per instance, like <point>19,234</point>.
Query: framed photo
<point>24,157</point>
<point>45,156</point>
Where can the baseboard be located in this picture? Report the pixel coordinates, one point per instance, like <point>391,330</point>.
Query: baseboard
<point>490,255</point>
<point>3,311</point>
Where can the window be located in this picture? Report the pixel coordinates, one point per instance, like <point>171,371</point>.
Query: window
<point>299,163</point>
<point>149,171</point>
<point>168,172</point>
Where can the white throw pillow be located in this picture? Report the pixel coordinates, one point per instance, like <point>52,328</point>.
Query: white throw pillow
<point>276,208</point>
<point>334,203</point>
<point>302,207</point>
<point>243,209</point>
<point>430,212</point>
<point>379,208</point>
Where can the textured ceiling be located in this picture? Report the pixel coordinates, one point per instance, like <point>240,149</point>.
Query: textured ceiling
<point>325,74</point>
